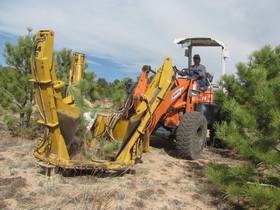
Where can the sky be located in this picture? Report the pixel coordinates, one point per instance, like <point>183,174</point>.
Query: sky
<point>120,36</point>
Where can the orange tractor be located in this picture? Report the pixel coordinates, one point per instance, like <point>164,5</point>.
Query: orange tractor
<point>188,109</point>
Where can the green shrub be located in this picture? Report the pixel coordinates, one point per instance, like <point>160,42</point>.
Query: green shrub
<point>251,125</point>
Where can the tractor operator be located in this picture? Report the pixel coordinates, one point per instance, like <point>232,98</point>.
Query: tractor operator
<point>199,68</point>
<point>197,72</point>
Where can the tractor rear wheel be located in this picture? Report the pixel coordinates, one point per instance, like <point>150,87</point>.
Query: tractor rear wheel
<point>191,135</point>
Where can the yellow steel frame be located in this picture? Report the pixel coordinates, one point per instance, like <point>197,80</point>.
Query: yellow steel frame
<point>50,104</point>
<point>76,72</point>
<point>77,68</point>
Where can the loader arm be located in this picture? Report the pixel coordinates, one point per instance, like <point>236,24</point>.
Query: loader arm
<point>141,85</point>
<point>152,98</point>
<point>57,113</point>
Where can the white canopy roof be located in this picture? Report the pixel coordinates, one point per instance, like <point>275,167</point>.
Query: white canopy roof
<point>199,42</point>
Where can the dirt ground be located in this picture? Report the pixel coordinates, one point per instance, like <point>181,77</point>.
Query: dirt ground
<point>160,182</point>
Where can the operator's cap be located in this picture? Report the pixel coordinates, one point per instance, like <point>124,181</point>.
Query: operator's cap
<point>196,56</point>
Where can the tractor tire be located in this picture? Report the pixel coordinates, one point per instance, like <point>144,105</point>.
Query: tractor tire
<point>191,135</point>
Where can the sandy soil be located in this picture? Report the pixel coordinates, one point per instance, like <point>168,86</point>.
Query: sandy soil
<point>160,182</point>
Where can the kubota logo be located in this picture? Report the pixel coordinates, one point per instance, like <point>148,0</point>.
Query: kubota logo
<point>177,93</point>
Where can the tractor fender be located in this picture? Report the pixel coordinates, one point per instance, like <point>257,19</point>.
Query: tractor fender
<point>210,111</point>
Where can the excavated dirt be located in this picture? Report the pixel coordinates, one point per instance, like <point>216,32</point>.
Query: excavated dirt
<point>162,181</point>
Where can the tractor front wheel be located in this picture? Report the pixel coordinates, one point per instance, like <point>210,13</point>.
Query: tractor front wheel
<point>191,135</point>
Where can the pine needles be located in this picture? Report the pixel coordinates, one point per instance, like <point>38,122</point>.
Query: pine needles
<point>251,126</point>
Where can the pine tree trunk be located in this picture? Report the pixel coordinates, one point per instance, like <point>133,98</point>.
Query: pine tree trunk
<point>22,120</point>
<point>28,119</point>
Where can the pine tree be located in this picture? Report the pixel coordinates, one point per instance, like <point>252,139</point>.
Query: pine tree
<point>15,91</point>
<point>119,91</point>
<point>250,125</point>
<point>62,61</point>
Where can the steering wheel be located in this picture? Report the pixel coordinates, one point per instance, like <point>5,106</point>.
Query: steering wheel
<point>190,72</point>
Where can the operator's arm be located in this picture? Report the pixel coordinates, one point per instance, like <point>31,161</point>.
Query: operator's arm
<point>195,73</point>
<point>202,71</point>
<point>183,72</point>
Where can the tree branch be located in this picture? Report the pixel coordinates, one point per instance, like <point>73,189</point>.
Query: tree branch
<point>263,185</point>
<point>11,96</point>
<point>277,150</point>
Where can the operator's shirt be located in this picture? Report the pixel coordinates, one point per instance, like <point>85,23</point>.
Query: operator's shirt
<point>201,70</point>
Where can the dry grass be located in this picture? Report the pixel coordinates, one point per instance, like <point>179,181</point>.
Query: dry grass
<point>103,149</point>
<point>10,187</point>
<point>95,200</point>
<point>138,203</point>
<point>160,182</point>
<point>145,194</point>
